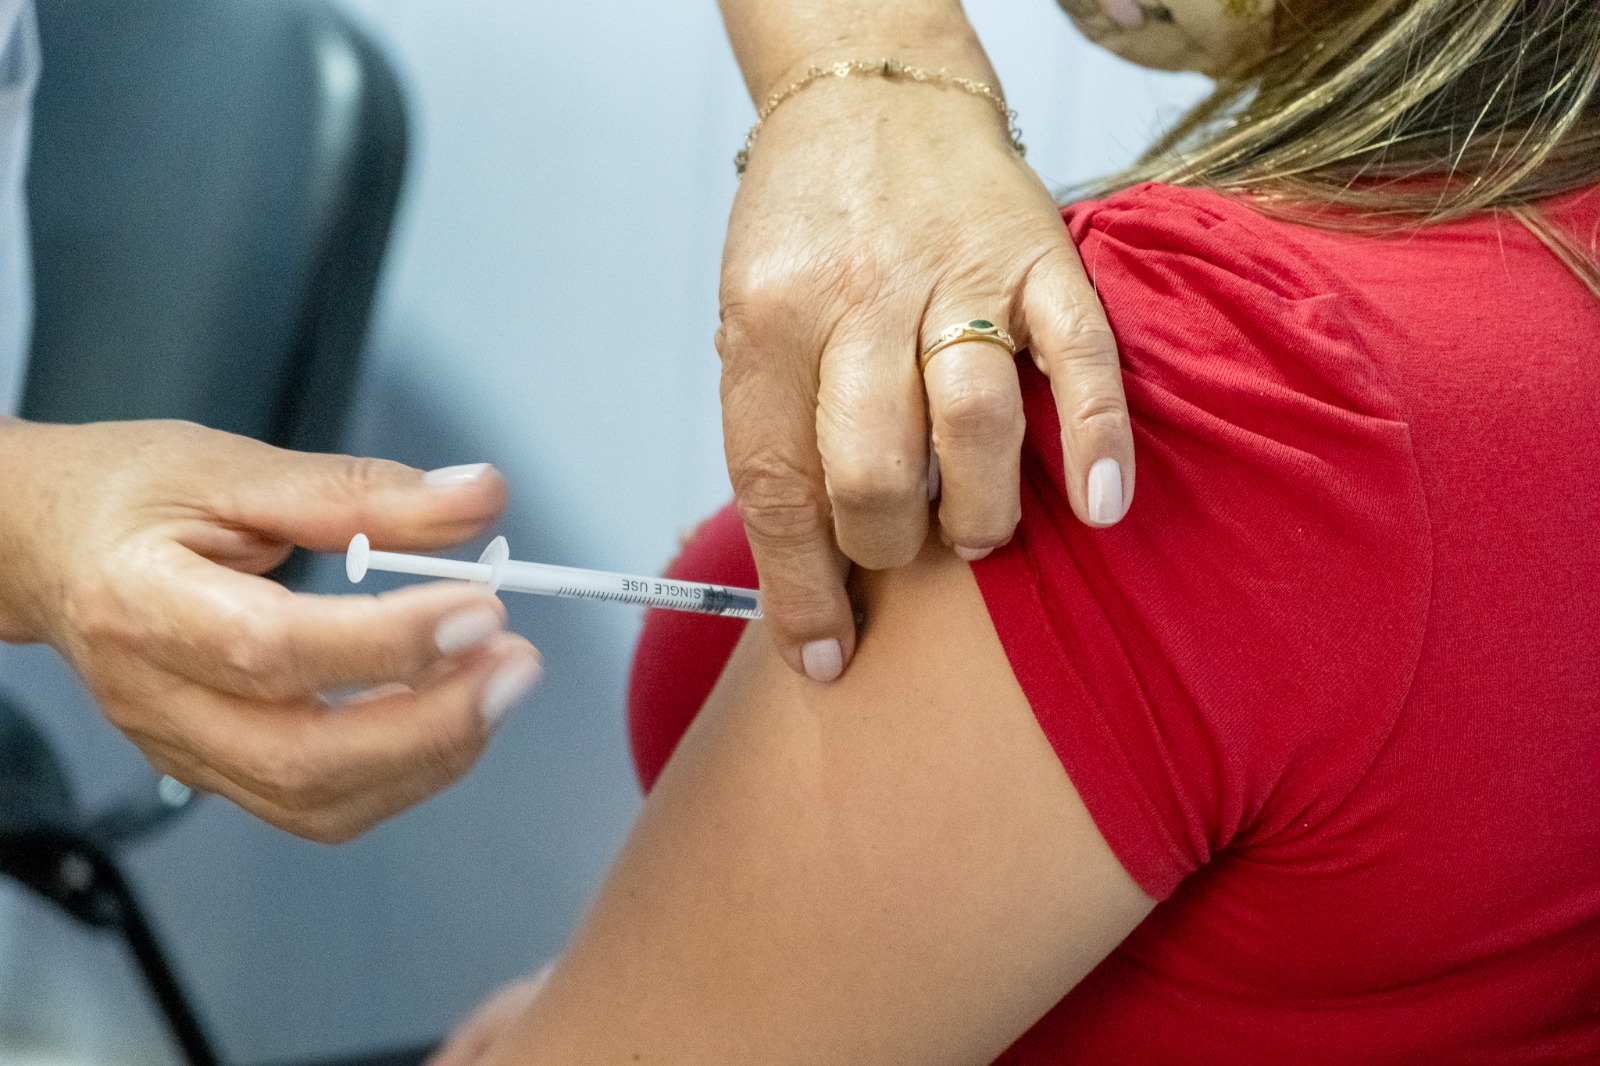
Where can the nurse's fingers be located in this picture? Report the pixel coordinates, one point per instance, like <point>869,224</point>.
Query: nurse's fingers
<point>321,501</point>
<point>250,637</point>
<point>329,773</point>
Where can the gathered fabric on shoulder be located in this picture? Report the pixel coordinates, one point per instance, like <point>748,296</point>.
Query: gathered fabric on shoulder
<point>1331,691</point>
<point>1229,657</point>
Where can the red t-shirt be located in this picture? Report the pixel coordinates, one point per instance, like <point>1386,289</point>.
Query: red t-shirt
<point>1331,691</point>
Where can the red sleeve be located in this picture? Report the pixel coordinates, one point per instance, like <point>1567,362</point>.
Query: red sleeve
<point>1221,667</point>
<point>681,655</point>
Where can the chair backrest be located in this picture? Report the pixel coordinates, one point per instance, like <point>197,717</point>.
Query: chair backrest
<point>211,192</point>
<point>34,790</point>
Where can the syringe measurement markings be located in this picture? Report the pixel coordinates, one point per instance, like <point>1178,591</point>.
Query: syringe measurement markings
<point>609,597</point>
<point>704,606</point>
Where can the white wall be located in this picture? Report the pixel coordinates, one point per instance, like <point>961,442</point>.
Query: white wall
<point>550,308</point>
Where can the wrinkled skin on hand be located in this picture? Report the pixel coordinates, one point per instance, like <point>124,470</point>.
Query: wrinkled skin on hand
<point>133,549</point>
<point>875,213</point>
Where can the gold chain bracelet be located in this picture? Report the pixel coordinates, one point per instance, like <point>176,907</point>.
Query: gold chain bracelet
<point>882,68</point>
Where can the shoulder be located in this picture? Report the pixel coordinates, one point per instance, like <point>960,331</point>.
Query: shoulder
<point>1196,281</point>
<point>1225,661</point>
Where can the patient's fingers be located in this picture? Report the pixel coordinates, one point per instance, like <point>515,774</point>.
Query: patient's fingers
<point>770,433</point>
<point>975,404</point>
<point>873,440</point>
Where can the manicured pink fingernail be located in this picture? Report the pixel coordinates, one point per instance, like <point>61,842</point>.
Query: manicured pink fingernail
<point>1125,13</point>
<point>447,476</point>
<point>972,554</point>
<point>822,659</point>
<point>1105,492</point>
<point>508,685</point>
<point>466,629</point>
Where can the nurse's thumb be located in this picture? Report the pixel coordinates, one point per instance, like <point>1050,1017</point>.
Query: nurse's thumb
<point>321,501</point>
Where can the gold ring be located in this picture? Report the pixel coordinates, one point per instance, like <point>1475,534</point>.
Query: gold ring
<point>979,329</point>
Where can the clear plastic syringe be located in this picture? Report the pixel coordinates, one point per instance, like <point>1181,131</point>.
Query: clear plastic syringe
<point>498,570</point>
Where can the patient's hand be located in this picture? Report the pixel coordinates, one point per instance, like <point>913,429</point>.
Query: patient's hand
<point>471,1041</point>
<point>874,214</point>
<point>132,548</point>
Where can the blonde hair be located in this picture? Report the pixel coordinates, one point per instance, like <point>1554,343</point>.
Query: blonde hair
<point>1393,113</point>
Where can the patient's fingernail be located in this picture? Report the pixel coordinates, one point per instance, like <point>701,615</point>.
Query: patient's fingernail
<point>972,554</point>
<point>456,475</point>
<point>1105,492</point>
<point>822,659</point>
<point>508,685</point>
<point>466,629</point>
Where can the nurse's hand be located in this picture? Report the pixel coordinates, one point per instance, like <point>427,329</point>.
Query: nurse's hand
<point>873,215</point>
<point>132,549</point>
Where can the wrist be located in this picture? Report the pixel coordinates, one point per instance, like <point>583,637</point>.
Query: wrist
<point>855,111</point>
<point>776,42</point>
<point>960,54</point>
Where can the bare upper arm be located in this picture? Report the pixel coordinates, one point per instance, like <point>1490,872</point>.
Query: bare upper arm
<point>891,868</point>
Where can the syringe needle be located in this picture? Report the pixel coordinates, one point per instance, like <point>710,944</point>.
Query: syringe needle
<point>498,570</point>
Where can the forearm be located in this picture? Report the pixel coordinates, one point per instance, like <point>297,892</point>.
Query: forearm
<point>774,39</point>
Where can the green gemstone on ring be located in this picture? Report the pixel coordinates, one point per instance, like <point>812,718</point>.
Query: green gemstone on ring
<point>980,323</point>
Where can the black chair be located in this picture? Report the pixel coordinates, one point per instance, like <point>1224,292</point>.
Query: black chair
<point>211,192</point>
<point>68,856</point>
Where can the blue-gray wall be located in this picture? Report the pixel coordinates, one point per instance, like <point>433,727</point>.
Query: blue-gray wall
<point>549,308</point>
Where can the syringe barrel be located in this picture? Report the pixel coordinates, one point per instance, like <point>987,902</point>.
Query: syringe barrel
<point>624,588</point>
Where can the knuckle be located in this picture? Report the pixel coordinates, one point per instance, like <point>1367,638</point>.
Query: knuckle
<point>452,747</point>
<point>1102,414</point>
<point>776,499</point>
<point>733,338</point>
<point>798,613</point>
<point>883,482</point>
<point>356,480</point>
<point>359,475</point>
<point>1077,337</point>
<point>987,528</point>
<point>99,615</point>
<point>260,653</point>
<point>755,314</point>
<point>979,412</point>
<point>294,777</point>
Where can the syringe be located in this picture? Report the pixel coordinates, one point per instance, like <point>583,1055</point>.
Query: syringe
<point>498,570</point>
